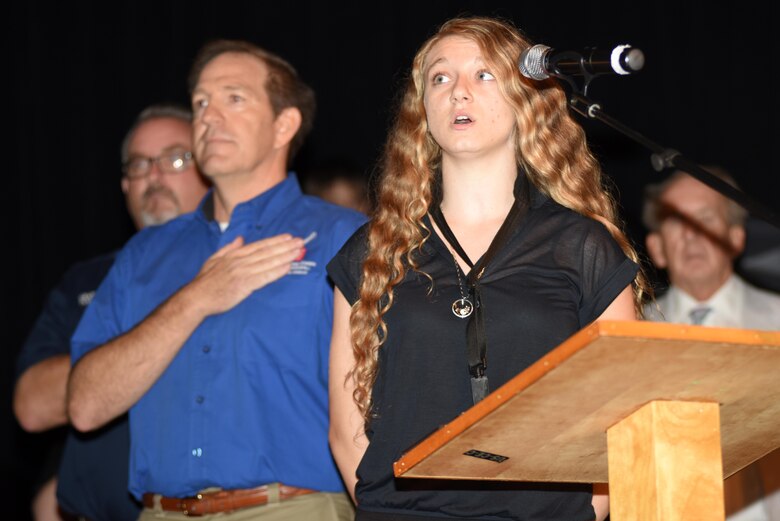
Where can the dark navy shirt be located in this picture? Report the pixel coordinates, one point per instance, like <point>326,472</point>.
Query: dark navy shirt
<point>93,470</point>
<point>245,401</point>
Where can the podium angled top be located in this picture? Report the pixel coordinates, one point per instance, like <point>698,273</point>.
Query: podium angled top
<point>550,421</point>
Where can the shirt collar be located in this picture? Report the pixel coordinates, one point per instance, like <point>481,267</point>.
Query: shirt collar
<point>726,302</point>
<point>263,207</point>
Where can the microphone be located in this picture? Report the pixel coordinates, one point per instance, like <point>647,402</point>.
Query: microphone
<point>540,62</point>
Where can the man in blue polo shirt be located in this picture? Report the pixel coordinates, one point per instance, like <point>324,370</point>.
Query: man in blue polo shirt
<point>159,181</point>
<point>213,330</point>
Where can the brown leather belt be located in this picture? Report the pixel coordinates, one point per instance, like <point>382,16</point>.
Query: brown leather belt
<point>224,500</point>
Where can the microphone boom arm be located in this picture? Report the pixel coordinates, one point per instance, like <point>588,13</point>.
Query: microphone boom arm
<point>663,158</point>
<point>571,57</point>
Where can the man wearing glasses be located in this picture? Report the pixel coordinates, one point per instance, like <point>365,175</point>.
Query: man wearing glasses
<point>157,195</point>
<point>160,182</point>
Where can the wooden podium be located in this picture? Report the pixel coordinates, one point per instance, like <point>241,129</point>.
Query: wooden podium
<point>661,412</point>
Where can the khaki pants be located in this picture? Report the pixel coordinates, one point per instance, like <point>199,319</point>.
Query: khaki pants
<point>320,506</point>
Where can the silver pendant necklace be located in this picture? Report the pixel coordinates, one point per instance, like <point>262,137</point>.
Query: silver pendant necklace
<point>462,307</point>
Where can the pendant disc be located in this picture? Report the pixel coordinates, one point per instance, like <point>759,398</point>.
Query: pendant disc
<point>462,308</point>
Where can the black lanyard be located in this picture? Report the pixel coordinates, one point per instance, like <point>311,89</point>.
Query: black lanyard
<point>476,341</point>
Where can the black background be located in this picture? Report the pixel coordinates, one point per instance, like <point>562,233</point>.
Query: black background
<point>78,74</point>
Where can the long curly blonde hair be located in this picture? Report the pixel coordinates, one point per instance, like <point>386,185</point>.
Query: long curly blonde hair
<point>550,147</point>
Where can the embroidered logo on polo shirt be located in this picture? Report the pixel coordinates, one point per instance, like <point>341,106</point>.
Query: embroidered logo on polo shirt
<point>303,266</point>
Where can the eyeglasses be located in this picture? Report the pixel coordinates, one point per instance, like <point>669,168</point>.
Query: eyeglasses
<point>170,163</point>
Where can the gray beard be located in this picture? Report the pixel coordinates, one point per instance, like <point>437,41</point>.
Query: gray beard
<point>151,218</point>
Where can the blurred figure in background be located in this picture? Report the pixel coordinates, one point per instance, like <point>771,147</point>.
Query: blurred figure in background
<point>160,181</point>
<point>341,184</point>
<point>696,234</point>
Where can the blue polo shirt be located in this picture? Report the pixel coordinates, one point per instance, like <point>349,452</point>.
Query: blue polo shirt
<point>245,401</point>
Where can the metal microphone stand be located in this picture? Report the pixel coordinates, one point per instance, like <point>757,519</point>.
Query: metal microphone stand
<point>661,157</point>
